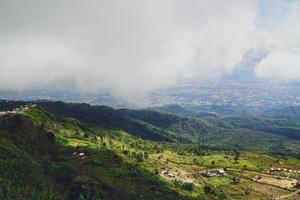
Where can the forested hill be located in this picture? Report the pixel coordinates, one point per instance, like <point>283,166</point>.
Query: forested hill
<point>45,156</point>
<point>248,132</point>
<point>272,135</point>
<point>286,111</point>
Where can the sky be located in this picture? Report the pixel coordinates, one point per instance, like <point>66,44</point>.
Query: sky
<point>131,47</point>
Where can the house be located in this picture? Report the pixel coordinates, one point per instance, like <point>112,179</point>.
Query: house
<point>81,154</point>
<point>7,113</point>
<point>256,178</point>
<point>222,172</point>
<point>74,153</point>
<point>210,174</point>
<point>2,114</point>
<point>165,172</point>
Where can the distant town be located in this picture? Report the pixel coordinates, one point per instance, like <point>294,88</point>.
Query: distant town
<point>16,111</point>
<point>249,94</point>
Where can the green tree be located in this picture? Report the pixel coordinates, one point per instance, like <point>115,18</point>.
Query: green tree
<point>188,186</point>
<point>236,156</point>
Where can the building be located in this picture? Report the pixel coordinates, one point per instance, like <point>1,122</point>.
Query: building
<point>256,178</point>
<point>211,174</point>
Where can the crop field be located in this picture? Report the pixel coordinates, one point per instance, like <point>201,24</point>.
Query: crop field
<point>191,168</point>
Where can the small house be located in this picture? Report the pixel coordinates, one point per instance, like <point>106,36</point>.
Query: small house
<point>165,172</point>
<point>222,172</point>
<point>211,174</point>
<point>256,178</point>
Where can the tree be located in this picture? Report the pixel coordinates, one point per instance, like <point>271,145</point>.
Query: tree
<point>188,186</point>
<point>236,156</point>
<point>207,189</point>
<point>139,157</point>
<point>236,180</point>
<point>195,161</point>
<point>86,135</point>
<point>146,155</point>
<point>77,133</point>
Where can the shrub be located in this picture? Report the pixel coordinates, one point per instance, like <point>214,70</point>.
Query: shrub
<point>188,186</point>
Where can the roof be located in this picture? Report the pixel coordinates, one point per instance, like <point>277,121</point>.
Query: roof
<point>210,174</point>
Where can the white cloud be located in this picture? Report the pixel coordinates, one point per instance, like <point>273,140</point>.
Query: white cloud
<point>125,47</point>
<point>283,61</point>
<point>281,65</point>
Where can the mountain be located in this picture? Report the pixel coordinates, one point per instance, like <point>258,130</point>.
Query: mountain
<point>38,162</point>
<point>178,110</point>
<point>173,109</point>
<point>62,150</point>
<point>244,132</point>
<point>286,111</point>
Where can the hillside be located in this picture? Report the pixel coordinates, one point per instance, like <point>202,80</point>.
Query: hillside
<point>178,110</point>
<point>287,111</point>
<point>48,156</point>
<point>37,163</point>
<point>272,135</point>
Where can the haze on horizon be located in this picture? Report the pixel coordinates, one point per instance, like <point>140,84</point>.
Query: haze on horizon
<point>132,47</point>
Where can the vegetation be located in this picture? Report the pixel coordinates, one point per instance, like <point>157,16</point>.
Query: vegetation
<point>265,134</point>
<point>125,154</point>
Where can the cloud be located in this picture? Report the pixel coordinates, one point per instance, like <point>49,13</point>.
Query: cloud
<point>280,65</point>
<point>124,47</point>
<point>283,41</point>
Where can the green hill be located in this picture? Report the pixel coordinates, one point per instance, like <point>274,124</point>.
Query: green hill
<point>275,136</point>
<point>78,151</point>
<point>36,161</point>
